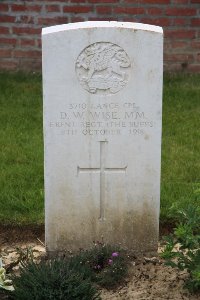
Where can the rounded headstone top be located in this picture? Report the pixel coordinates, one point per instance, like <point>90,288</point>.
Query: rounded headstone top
<point>102,24</point>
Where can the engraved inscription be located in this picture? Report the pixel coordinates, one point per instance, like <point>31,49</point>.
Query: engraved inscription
<point>102,170</point>
<point>102,119</point>
<point>103,68</point>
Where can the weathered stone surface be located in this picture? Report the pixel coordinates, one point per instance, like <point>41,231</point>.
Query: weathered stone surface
<point>102,132</point>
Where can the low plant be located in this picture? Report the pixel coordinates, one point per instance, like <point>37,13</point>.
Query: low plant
<point>104,264</point>
<point>71,277</point>
<point>182,249</point>
<point>25,254</point>
<point>5,283</point>
<point>52,280</point>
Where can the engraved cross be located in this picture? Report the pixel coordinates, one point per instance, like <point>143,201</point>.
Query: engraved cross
<point>102,170</point>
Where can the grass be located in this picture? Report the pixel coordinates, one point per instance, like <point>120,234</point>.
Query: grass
<point>21,182</point>
<point>180,143</point>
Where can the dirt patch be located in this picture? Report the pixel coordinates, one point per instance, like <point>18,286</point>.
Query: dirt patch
<point>20,234</point>
<point>149,278</point>
<point>150,281</point>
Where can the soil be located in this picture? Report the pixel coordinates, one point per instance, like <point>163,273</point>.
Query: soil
<point>149,278</point>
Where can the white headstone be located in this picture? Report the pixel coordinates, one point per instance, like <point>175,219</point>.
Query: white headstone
<point>102,131</point>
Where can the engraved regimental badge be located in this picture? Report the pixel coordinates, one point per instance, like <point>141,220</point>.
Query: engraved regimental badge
<point>103,68</point>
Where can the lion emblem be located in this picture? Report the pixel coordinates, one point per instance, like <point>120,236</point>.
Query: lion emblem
<point>102,68</point>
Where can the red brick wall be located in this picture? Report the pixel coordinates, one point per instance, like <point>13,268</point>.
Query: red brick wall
<point>21,23</point>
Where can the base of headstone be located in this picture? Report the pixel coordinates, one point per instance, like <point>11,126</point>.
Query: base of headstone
<point>132,254</point>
